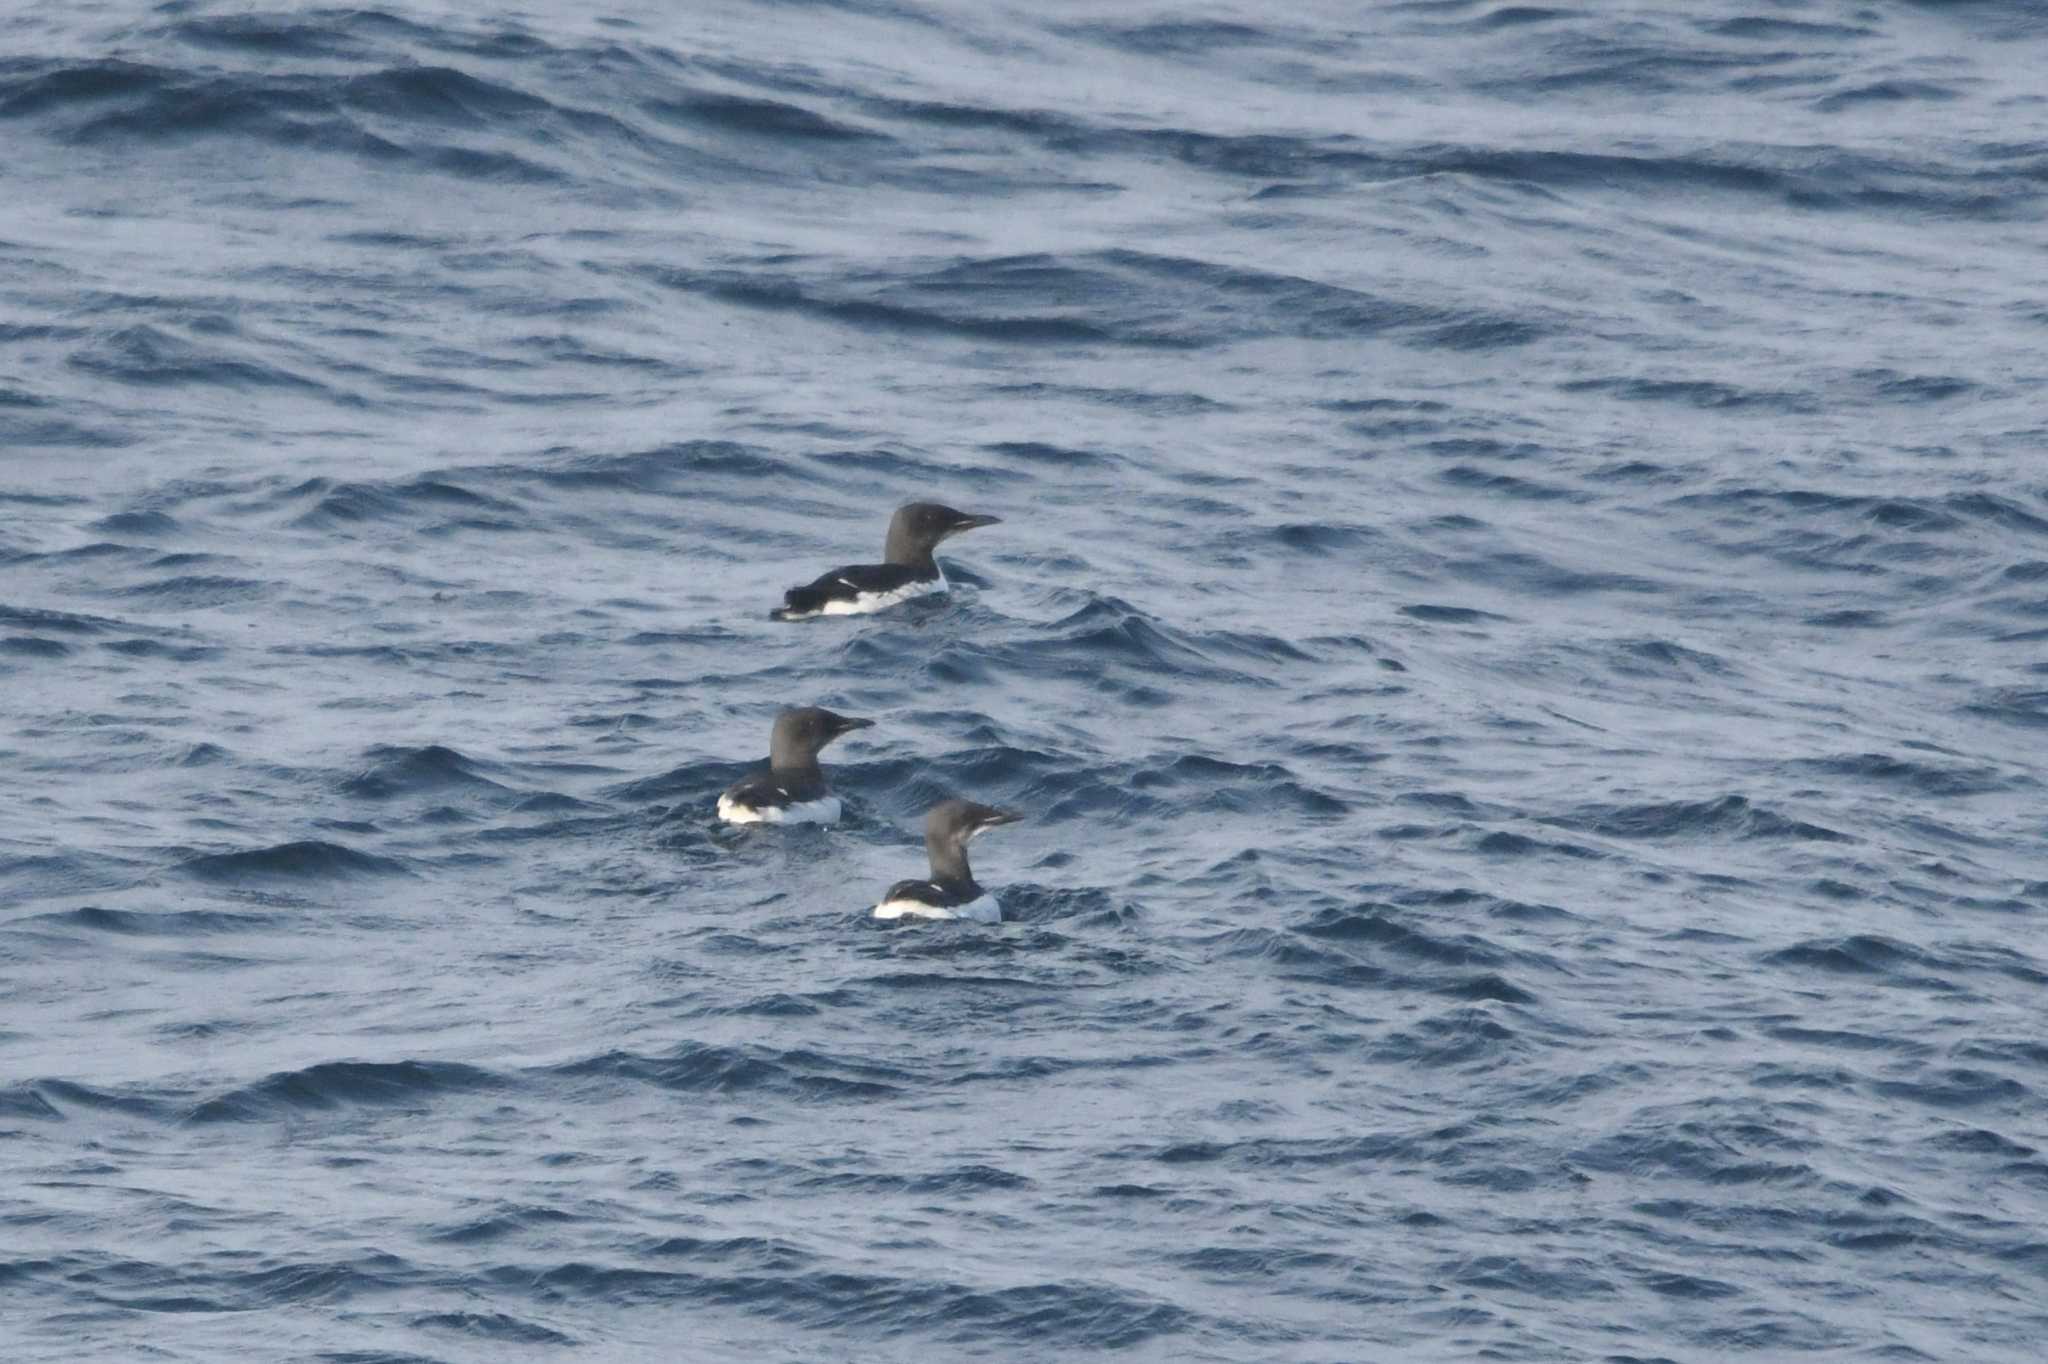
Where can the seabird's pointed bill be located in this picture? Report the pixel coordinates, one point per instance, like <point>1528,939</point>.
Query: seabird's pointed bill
<point>907,570</point>
<point>963,819</point>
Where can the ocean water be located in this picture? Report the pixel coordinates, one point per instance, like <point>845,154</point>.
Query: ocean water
<point>1520,630</point>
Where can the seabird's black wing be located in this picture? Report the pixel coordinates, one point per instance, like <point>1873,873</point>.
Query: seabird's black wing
<point>844,585</point>
<point>924,892</point>
<point>760,791</point>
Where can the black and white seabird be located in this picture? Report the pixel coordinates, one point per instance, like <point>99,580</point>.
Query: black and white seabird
<point>951,893</point>
<point>792,790</point>
<point>907,569</point>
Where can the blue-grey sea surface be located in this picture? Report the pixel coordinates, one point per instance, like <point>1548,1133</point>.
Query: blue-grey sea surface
<point>1520,628</point>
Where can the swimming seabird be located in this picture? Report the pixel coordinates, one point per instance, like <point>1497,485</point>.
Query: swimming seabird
<point>907,568</point>
<point>951,893</point>
<point>792,790</point>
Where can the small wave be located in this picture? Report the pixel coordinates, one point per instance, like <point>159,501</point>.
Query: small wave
<point>143,523</point>
<point>1979,1141</point>
<point>940,113</point>
<point>101,549</point>
<point>33,646</point>
<point>1836,1039</point>
<point>1378,927</point>
<point>667,468</point>
<point>114,103</point>
<point>1702,1148</point>
<point>1929,778</point>
<point>1483,333</point>
<point>58,433</point>
<point>1699,393</point>
<point>152,357</point>
<point>1324,963</point>
<point>1725,817</point>
<point>395,772</point>
<point>158,649</point>
<point>306,860</point>
<point>1175,37</point>
<point>551,803</point>
<point>160,923</point>
<point>1074,1317</point>
<point>343,504</point>
<point>2023,1052</point>
<point>965,1179</point>
<point>2026,707</point>
<point>705,1068</point>
<point>1851,619</point>
<point>1772,28</point>
<point>86,83</point>
<point>502,1221</point>
<point>879,314</point>
<point>1662,658</point>
<point>1308,1153</point>
<point>1473,479</point>
<point>1999,511</point>
<point>133,1103</point>
<point>1864,954</point>
<point>1522,16</point>
<point>440,94</point>
<point>1149,401</point>
<point>491,1326</point>
<point>756,117</point>
<point>1109,630</point>
<point>337,1084</point>
<point>194,591</point>
<point>1469,1038</point>
<point>1490,985</point>
<point>1924,516</point>
<point>704,780</point>
<point>1119,296</point>
<point>1956,1087</point>
<point>1449,615</point>
<point>32,875</point>
<point>1214,784</point>
<point>1893,386</point>
<point>39,620</point>
<point>133,1285</point>
<point>1885,92</point>
<point>1037,453</point>
<point>778,1004</point>
<point>275,35</point>
<point>1320,538</point>
<point>22,1101</point>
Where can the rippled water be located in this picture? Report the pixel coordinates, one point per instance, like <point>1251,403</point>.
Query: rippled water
<point>1518,626</point>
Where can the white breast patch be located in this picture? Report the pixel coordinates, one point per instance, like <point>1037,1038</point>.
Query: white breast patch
<point>823,810</point>
<point>986,910</point>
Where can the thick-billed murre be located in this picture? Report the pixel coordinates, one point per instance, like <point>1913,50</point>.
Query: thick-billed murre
<point>907,568</point>
<point>792,790</point>
<point>951,893</point>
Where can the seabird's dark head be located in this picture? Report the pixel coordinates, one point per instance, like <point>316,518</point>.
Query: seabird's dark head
<point>917,528</point>
<point>801,732</point>
<point>946,831</point>
<point>956,821</point>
